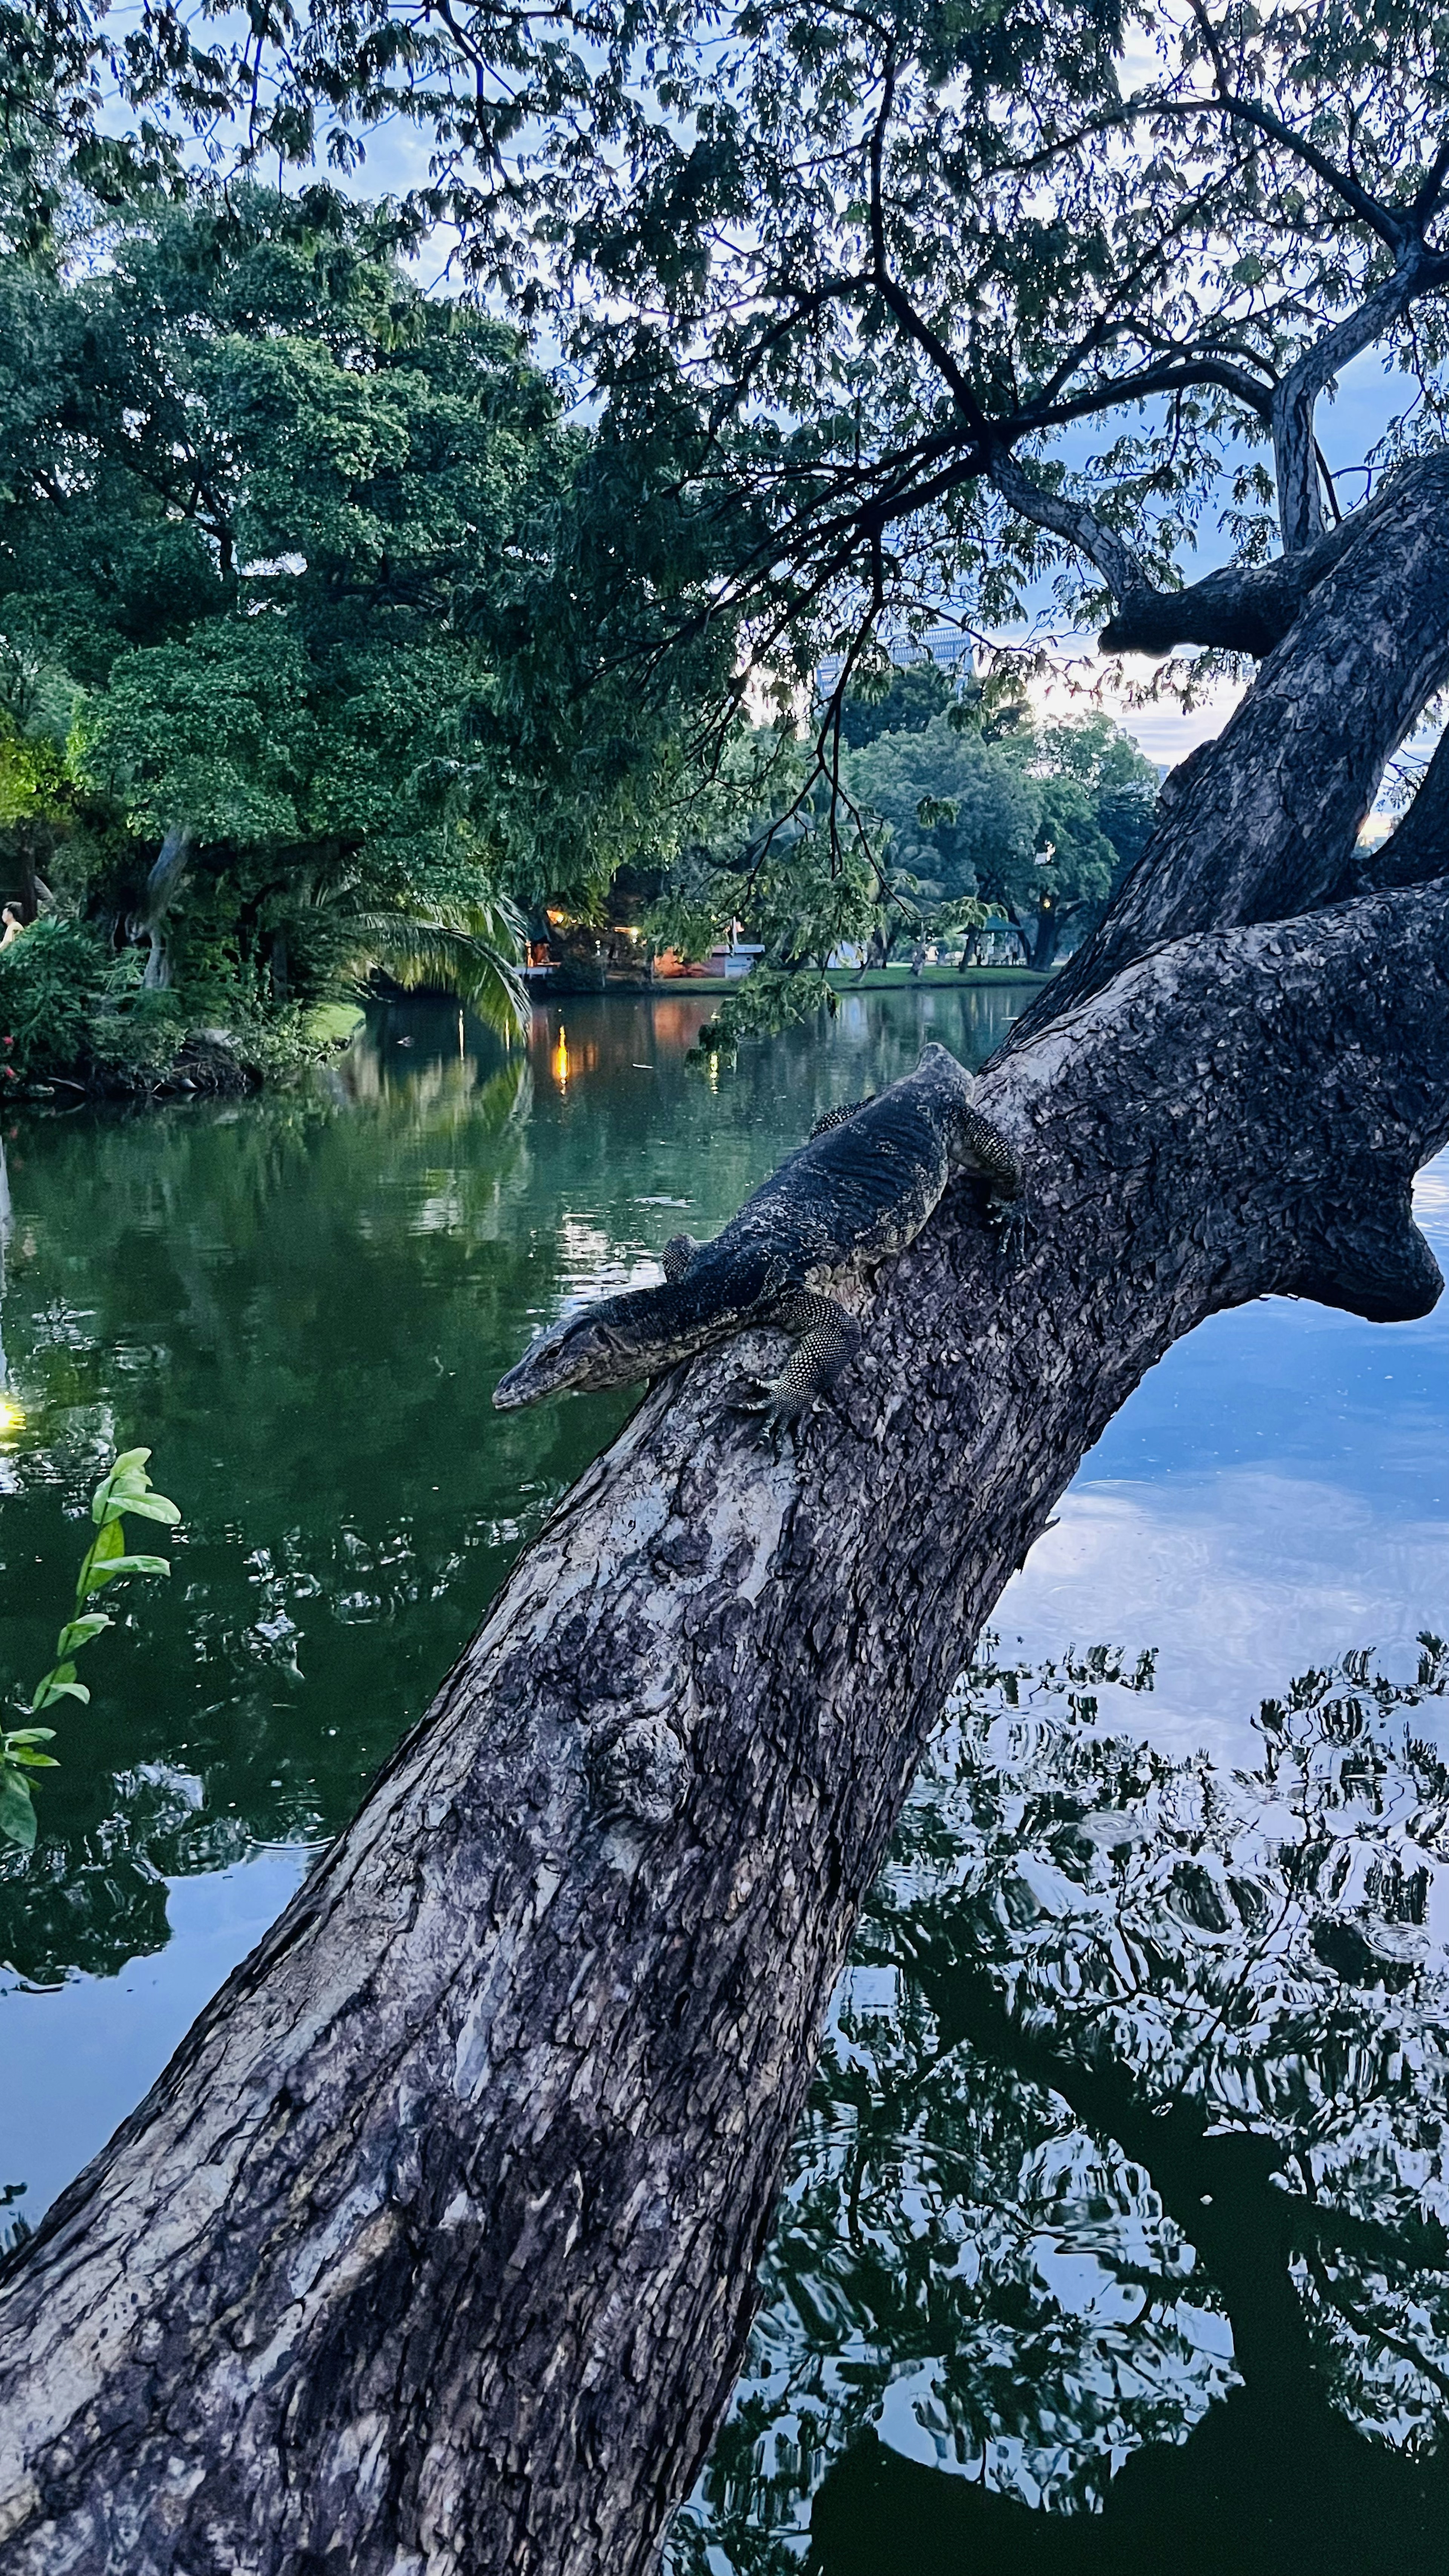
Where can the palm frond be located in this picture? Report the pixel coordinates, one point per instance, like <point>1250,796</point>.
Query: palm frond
<point>472,950</point>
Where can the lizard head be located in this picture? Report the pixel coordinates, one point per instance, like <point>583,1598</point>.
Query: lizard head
<point>583,1352</point>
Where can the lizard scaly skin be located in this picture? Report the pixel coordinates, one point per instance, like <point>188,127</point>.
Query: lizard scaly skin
<point>862,1187</point>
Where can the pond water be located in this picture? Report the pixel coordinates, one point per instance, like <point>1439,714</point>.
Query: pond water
<point>993,2330</point>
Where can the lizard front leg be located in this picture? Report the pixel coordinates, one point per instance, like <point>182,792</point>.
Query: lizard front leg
<point>982,1150</point>
<point>838,1117</point>
<point>827,1339</point>
<point>677,1256</point>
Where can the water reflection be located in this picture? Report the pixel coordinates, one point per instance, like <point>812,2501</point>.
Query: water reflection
<point>301,1305</point>
<point>1125,2183</point>
<point>1002,2328</point>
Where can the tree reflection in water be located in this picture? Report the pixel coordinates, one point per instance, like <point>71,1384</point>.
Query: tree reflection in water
<point>1116,2232</point>
<point>301,1304</point>
<point>261,1238</point>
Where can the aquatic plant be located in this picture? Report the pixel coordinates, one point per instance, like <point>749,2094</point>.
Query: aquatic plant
<point>126,1487</point>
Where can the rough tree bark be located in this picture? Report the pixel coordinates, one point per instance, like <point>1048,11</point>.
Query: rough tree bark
<point>432,2250</point>
<point>1262,824</point>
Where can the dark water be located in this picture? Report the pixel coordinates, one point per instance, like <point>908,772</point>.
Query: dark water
<point>1116,2233</point>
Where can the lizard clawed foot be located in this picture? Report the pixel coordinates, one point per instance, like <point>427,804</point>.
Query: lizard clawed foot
<point>1013,1225</point>
<point>779,1411</point>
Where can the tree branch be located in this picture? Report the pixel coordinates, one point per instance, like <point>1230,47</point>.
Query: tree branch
<point>1418,847</point>
<point>1264,825</point>
<point>1170,375</point>
<point>1120,568</point>
<point>1383,220</point>
<point>1428,195</point>
<point>1241,609</point>
<point>1296,460</point>
<point>899,303</point>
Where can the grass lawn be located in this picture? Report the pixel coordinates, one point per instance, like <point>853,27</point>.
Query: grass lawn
<point>331,1023</point>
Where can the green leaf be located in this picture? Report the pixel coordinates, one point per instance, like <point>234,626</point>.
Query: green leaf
<point>79,1632</point>
<point>128,1489</point>
<point>153,1507</point>
<point>129,1469</point>
<point>17,1815</point>
<point>25,1735</point>
<point>111,1566</point>
<point>59,1683</point>
<point>34,1761</point>
<point>109,1541</point>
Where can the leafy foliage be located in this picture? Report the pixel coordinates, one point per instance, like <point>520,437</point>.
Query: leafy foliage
<point>960,816</point>
<point>52,980</point>
<point>1039,821</point>
<point>126,1488</point>
<point>878,314</point>
<point>912,308</point>
<point>289,527</point>
<point>881,315</point>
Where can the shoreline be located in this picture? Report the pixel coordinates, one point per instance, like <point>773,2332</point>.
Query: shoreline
<point>842,979</point>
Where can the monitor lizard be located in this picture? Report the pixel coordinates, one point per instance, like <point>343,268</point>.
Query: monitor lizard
<point>861,1188</point>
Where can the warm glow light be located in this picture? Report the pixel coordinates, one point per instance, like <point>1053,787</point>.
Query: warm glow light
<point>561,1062</point>
<point>12,1415</point>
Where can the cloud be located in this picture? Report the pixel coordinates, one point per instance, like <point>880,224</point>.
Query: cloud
<point>1240,1579</point>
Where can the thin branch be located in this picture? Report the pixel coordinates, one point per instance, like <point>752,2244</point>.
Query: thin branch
<point>1175,376</point>
<point>1121,569</point>
<point>894,297</point>
<point>1389,226</point>
<point>1426,199</point>
<point>1418,272</point>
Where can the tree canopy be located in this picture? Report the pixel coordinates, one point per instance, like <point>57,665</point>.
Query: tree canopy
<point>253,469</point>
<point>1039,820</point>
<point>997,313</point>
<point>922,305</point>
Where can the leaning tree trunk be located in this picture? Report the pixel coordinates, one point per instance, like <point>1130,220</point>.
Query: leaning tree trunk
<point>432,2251</point>
<point>163,884</point>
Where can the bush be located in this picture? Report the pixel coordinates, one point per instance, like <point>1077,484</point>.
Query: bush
<point>51,979</point>
<point>69,1009</point>
<point>137,1034</point>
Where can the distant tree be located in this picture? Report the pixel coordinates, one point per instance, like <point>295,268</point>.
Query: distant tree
<point>915,693</point>
<point>37,805</point>
<point>255,470</point>
<point>1097,796</point>
<point>1039,822</point>
<point>981,808</point>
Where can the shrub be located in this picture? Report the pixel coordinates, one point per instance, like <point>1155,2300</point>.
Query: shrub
<point>51,979</point>
<point>136,1034</point>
